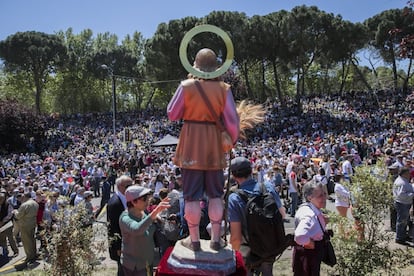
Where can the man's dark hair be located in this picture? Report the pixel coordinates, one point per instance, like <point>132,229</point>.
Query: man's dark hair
<point>243,173</point>
<point>403,170</point>
<point>322,171</point>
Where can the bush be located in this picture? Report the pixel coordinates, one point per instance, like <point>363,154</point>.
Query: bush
<point>368,251</point>
<point>73,247</point>
<point>21,129</point>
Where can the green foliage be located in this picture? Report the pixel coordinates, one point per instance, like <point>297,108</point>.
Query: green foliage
<point>387,31</point>
<point>279,55</point>
<point>35,53</point>
<point>162,62</point>
<point>73,247</point>
<point>77,89</point>
<point>372,254</point>
<point>17,86</point>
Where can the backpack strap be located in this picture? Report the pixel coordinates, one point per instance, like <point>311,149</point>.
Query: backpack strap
<point>219,123</point>
<point>262,187</point>
<point>242,194</point>
<point>320,224</point>
<point>245,197</point>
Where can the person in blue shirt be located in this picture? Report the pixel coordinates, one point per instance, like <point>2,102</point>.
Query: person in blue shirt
<point>241,170</point>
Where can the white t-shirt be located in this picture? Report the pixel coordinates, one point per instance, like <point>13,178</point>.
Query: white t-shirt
<point>321,178</point>
<point>342,195</point>
<point>346,168</point>
<point>289,167</point>
<point>292,179</point>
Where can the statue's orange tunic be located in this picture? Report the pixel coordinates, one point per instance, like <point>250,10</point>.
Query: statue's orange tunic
<point>199,146</point>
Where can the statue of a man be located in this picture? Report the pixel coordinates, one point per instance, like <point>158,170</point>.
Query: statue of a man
<point>199,152</point>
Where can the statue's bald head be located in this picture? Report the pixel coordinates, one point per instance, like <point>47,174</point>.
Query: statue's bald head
<point>206,60</point>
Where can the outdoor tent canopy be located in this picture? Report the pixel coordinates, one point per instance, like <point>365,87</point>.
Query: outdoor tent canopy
<point>168,140</point>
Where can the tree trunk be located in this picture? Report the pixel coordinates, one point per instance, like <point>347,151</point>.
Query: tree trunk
<point>277,83</point>
<point>326,89</point>
<point>246,78</point>
<point>38,86</point>
<point>263,94</point>
<point>407,78</point>
<point>299,85</point>
<point>343,74</point>
<point>150,99</point>
<point>394,67</point>
<point>302,90</point>
<point>361,76</point>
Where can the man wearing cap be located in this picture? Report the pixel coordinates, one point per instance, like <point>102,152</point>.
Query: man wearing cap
<point>199,153</point>
<point>116,205</point>
<point>241,170</point>
<point>137,229</point>
<point>403,197</point>
<point>26,219</point>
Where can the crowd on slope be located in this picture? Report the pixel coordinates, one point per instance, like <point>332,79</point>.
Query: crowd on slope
<point>83,159</point>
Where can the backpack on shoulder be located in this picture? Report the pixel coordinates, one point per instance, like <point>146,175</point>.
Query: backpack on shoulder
<point>331,185</point>
<point>265,230</point>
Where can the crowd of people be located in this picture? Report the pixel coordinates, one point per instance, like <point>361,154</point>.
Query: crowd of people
<point>84,159</point>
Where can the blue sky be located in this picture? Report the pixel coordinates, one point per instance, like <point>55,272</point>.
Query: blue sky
<point>123,17</point>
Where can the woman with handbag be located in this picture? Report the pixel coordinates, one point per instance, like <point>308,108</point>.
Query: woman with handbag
<point>310,224</point>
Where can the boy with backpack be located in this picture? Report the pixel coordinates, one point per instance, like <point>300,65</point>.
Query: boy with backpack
<point>255,214</point>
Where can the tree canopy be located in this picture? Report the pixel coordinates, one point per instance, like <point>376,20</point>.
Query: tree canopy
<point>36,53</point>
<point>281,56</point>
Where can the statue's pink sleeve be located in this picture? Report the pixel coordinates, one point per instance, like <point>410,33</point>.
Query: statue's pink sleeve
<point>231,118</point>
<point>175,107</point>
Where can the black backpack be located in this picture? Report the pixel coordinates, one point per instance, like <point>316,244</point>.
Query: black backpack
<point>265,230</point>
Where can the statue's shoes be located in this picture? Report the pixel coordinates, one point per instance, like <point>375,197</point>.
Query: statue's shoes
<point>216,246</point>
<point>194,246</point>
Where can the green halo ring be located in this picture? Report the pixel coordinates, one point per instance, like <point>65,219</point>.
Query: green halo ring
<point>212,29</point>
